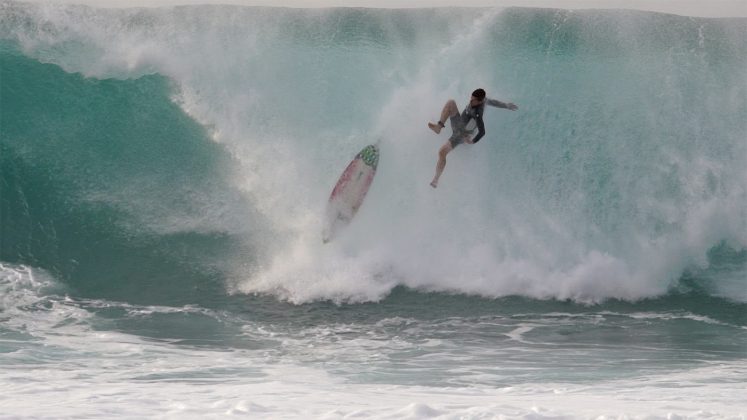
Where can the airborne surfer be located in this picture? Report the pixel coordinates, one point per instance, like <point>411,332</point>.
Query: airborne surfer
<point>463,125</point>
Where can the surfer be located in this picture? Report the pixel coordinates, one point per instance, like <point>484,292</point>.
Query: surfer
<point>463,125</point>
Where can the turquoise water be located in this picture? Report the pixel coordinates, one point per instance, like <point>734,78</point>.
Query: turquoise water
<point>164,175</point>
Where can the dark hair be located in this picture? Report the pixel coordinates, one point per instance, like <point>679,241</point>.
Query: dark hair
<point>479,94</point>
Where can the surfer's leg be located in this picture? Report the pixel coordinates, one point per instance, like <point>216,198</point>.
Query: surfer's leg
<point>450,109</point>
<point>441,164</point>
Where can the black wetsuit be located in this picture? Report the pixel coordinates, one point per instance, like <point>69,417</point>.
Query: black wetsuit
<point>465,123</point>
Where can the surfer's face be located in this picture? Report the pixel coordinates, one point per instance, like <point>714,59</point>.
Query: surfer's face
<point>474,101</point>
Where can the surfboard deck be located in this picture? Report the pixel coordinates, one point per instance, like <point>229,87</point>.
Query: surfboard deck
<point>350,191</point>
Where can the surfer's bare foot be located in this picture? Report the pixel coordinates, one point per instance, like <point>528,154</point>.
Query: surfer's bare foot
<point>435,127</point>
<point>434,184</point>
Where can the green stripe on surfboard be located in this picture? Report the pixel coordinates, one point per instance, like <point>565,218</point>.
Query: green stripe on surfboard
<point>370,155</point>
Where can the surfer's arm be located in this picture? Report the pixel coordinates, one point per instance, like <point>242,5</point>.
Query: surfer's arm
<point>480,130</point>
<point>505,105</point>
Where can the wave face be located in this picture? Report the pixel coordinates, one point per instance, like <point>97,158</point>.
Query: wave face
<point>175,154</point>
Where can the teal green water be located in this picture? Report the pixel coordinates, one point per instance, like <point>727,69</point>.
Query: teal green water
<point>67,139</point>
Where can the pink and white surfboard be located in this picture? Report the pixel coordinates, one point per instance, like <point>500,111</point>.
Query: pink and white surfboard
<point>349,192</point>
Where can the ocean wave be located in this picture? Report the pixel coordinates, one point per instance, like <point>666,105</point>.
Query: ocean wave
<point>160,155</point>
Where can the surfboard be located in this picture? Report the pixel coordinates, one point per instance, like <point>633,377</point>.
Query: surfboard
<point>349,192</point>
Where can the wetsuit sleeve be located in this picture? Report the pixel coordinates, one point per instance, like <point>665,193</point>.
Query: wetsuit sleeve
<point>480,128</point>
<point>496,103</point>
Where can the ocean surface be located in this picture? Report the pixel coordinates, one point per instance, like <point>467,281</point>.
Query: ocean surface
<point>164,172</point>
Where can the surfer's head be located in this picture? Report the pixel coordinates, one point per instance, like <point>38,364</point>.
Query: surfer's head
<point>478,95</point>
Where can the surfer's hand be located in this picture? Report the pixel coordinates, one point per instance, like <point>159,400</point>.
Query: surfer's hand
<point>512,106</point>
<point>468,140</point>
